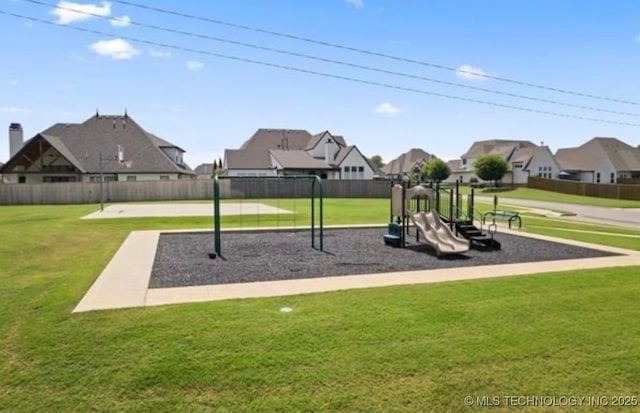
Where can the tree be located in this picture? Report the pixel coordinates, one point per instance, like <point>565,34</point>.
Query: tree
<point>377,161</point>
<point>436,170</point>
<point>490,167</point>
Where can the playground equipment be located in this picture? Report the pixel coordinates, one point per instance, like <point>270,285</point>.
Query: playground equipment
<point>315,185</point>
<point>509,216</point>
<point>447,204</point>
<point>434,231</point>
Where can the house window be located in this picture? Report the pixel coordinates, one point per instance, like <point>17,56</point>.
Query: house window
<point>131,178</point>
<point>164,177</point>
<point>613,177</point>
<point>49,179</point>
<point>539,174</point>
<point>598,177</point>
<point>464,162</point>
<point>22,179</point>
<point>361,172</point>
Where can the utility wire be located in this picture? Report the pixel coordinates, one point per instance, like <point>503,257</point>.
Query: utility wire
<point>337,62</point>
<point>371,53</point>
<point>316,73</point>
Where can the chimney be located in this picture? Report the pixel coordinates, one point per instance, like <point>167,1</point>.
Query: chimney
<point>15,139</point>
<point>330,150</point>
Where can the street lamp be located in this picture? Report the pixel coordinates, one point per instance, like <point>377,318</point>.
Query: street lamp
<point>105,159</point>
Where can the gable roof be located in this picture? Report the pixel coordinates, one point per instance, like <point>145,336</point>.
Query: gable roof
<point>587,156</point>
<point>83,143</point>
<point>299,160</point>
<point>502,147</point>
<point>527,154</point>
<point>406,162</point>
<point>315,139</point>
<point>286,139</point>
<point>204,169</point>
<point>247,159</point>
<point>455,164</point>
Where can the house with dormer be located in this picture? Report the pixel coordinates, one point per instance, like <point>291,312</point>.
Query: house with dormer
<point>114,146</point>
<point>408,163</point>
<point>525,159</point>
<point>280,152</point>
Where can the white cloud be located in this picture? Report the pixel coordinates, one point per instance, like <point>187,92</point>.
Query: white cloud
<point>13,110</point>
<point>195,66</point>
<point>387,108</point>
<point>160,54</point>
<point>69,12</point>
<point>117,49</point>
<point>123,21</point>
<point>13,82</point>
<point>471,73</point>
<point>356,3</point>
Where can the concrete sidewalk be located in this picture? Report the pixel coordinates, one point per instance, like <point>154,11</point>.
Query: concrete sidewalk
<point>125,280</point>
<point>621,217</point>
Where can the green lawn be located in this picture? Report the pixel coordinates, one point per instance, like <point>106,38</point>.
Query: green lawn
<point>401,349</point>
<point>539,195</point>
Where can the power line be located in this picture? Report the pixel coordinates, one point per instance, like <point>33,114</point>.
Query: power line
<point>338,62</point>
<point>316,73</point>
<point>372,53</point>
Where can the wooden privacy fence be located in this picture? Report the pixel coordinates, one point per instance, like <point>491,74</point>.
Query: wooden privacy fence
<point>186,189</point>
<point>615,191</point>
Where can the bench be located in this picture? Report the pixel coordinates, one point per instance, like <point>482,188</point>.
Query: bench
<point>394,237</point>
<point>509,216</point>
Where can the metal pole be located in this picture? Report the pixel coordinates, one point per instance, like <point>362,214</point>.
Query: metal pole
<point>313,214</point>
<point>100,167</point>
<point>216,214</point>
<point>321,195</point>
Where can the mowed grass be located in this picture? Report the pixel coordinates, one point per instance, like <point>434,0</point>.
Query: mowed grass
<point>540,195</point>
<point>401,349</point>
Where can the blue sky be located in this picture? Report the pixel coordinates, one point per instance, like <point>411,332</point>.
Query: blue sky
<point>205,104</point>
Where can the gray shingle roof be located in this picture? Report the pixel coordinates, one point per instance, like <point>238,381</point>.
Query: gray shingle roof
<point>455,164</point>
<point>315,139</point>
<point>267,139</point>
<point>502,147</point>
<point>587,156</point>
<point>406,162</point>
<point>82,144</point>
<point>247,159</point>
<point>204,169</point>
<point>299,160</point>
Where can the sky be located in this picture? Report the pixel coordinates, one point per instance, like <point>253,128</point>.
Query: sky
<point>179,83</point>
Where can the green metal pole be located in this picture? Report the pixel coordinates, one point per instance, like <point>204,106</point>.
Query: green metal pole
<point>313,214</point>
<point>216,214</point>
<point>321,195</point>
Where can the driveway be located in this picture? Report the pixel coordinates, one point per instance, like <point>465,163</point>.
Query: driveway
<point>621,217</point>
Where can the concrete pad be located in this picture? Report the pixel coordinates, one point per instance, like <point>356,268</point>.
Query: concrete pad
<point>183,210</point>
<point>125,280</point>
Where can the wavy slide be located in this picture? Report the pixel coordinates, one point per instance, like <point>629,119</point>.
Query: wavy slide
<point>438,234</point>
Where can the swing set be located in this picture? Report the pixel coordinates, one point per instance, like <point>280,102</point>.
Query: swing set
<point>315,190</point>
